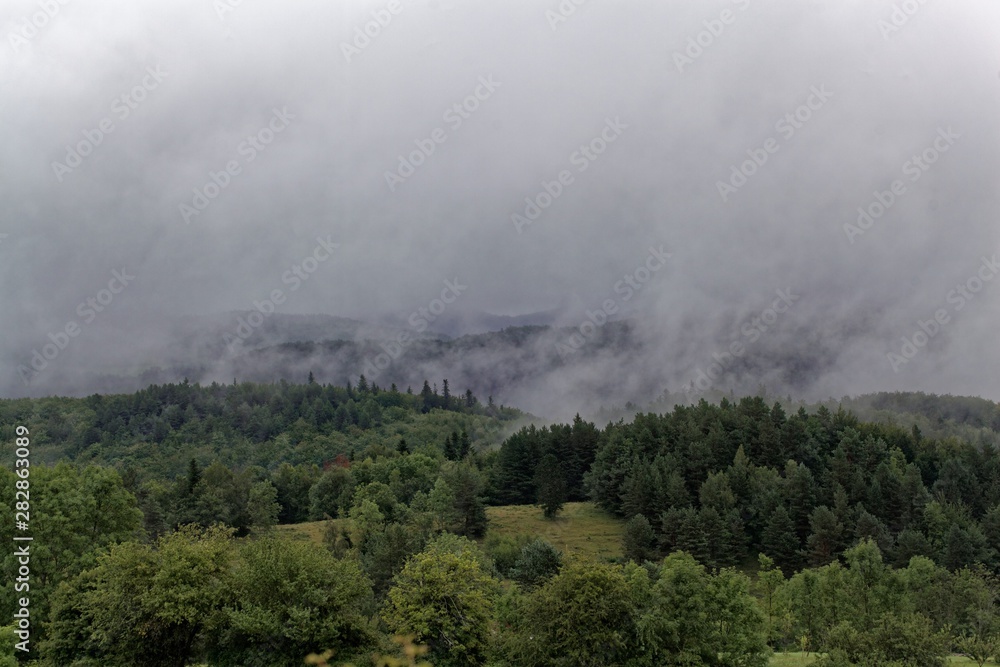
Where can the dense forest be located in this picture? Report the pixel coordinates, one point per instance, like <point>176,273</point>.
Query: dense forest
<point>747,530</point>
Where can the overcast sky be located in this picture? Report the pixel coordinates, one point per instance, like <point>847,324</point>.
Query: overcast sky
<point>191,88</point>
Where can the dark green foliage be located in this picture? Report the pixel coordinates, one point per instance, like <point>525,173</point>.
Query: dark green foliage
<point>468,487</point>
<point>294,484</point>
<point>574,446</point>
<point>639,540</point>
<point>551,485</point>
<point>826,538</point>
<point>385,550</point>
<point>515,471</point>
<point>538,562</point>
<point>714,481</point>
<point>165,431</point>
<point>332,494</point>
<point>505,550</point>
<point>779,539</point>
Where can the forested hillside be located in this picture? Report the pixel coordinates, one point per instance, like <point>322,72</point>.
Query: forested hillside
<point>153,517</point>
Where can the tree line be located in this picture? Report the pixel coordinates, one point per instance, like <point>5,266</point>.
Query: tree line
<point>725,482</point>
<point>746,530</point>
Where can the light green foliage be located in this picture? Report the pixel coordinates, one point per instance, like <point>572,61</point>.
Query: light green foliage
<point>262,506</point>
<point>693,617</point>
<point>366,520</point>
<point>505,550</point>
<point>441,503</point>
<point>74,514</point>
<point>583,616</point>
<point>332,494</point>
<point>906,640</point>
<point>978,624</point>
<point>143,604</point>
<point>290,599</point>
<point>869,614</point>
<point>444,596</point>
<point>769,583</point>
<point>7,650</point>
<point>380,494</point>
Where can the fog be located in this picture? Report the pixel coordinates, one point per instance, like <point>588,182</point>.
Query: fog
<point>543,156</point>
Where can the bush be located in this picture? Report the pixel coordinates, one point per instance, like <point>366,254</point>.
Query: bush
<point>539,561</point>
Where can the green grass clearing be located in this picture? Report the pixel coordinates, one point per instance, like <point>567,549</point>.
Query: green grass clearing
<point>311,530</point>
<point>792,659</point>
<point>581,528</point>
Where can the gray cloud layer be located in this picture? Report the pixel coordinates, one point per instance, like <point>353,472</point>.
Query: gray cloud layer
<point>656,183</point>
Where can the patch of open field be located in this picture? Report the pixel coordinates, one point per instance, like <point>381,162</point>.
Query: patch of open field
<point>311,530</point>
<point>581,528</point>
<point>792,659</point>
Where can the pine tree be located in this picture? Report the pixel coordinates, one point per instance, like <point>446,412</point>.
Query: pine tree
<point>691,536</point>
<point>779,540</point>
<point>464,446</point>
<point>515,472</point>
<point>450,448</point>
<point>551,485</point>
<point>800,493</point>
<point>427,398</point>
<point>870,527</point>
<point>193,477</point>
<point>827,537</point>
<point>717,537</point>
<point>446,397</point>
<point>639,540</point>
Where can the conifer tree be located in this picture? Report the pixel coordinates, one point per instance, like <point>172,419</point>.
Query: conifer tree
<point>551,486</point>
